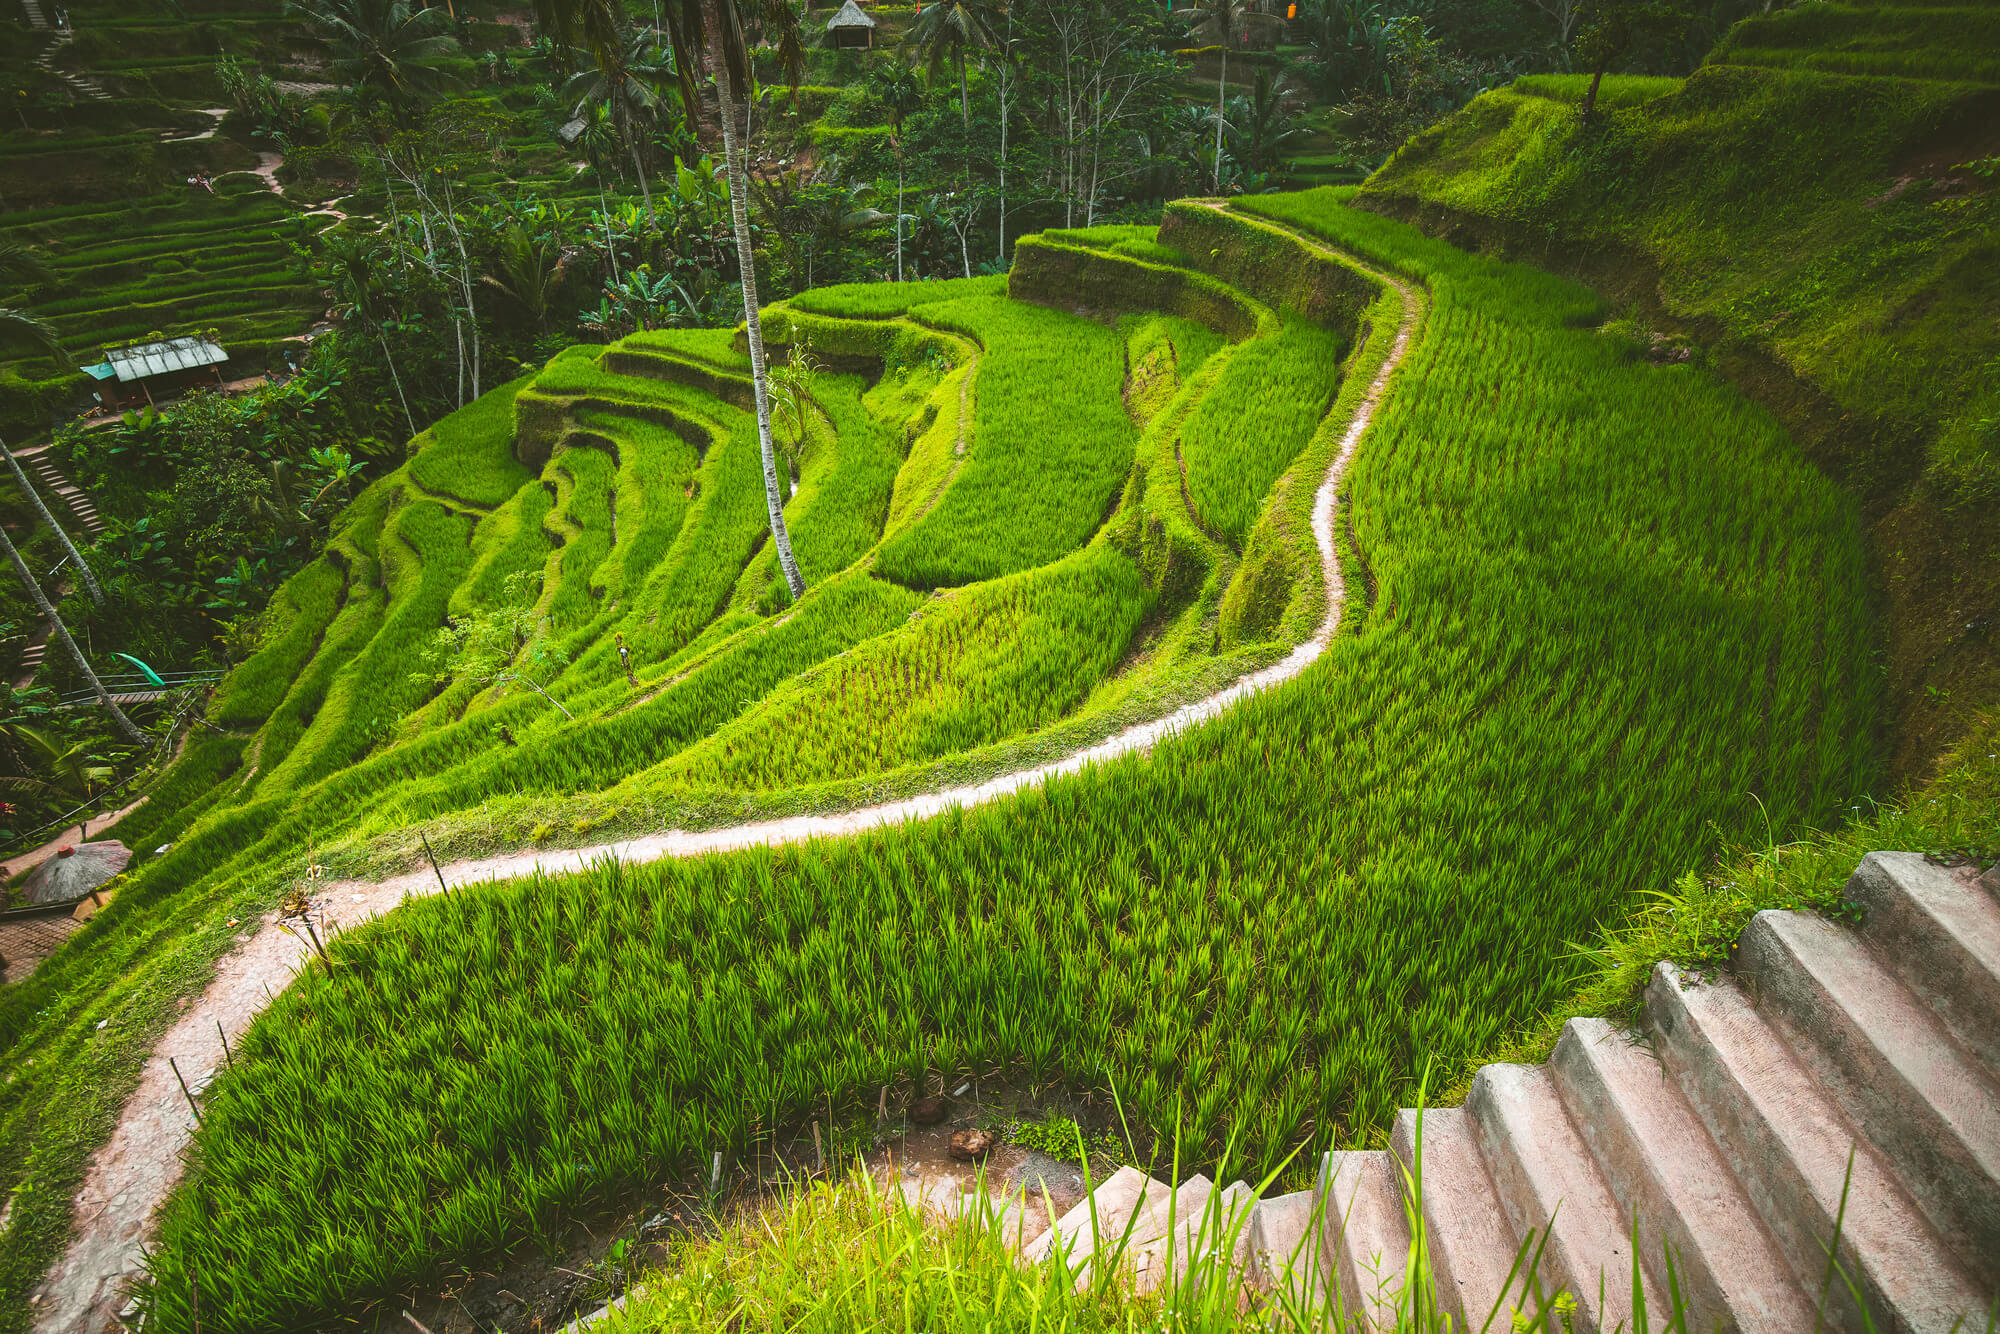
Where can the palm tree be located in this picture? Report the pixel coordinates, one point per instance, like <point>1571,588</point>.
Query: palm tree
<point>48,611</point>
<point>383,48</point>
<point>949,28</point>
<point>712,31</point>
<point>21,267</point>
<point>900,91</point>
<point>348,267</point>
<point>18,326</point>
<point>626,88</point>
<point>69,547</point>
<point>531,270</point>
<point>1260,125</point>
<point>1216,22</point>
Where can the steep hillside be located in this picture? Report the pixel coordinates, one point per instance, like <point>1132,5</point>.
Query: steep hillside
<point>1825,237</point>
<point>1561,675</point>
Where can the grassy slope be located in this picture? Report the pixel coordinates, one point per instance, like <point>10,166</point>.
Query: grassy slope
<point>650,518</point>
<point>1500,757</point>
<point>1812,237</point>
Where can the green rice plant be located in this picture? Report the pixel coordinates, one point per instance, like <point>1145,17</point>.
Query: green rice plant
<point>294,623</point>
<point>1614,90</point>
<point>995,660</point>
<point>875,301</point>
<point>1050,444</point>
<point>469,456</point>
<point>1254,421</point>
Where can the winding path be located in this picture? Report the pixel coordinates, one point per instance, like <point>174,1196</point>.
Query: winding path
<point>133,1171</point>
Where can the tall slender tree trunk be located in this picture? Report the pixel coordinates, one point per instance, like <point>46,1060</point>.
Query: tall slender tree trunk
<point>645,191</point>
<point>389,360</point>
<point>739,221</point>
<point>1002,253</point>
<point>118,718</point>
<point>1221,85</point>
<point>34,498</point>
<point>899,213</point>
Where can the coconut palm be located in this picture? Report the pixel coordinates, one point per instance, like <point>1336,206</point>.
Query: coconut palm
<point>897,87</point>
<point>951,28</point>
<point>1261,126</point>
<point>714,31</point>
<point>18,327</point>
<point>626,88</point>
<point>1217,22</point>
<point>383,48</point>
<point>47,608</point>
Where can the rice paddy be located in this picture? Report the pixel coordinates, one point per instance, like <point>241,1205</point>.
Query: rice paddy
<point>1609,616</point>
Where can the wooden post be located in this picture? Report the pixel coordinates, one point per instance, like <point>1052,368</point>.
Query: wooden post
<point>184,1090</point>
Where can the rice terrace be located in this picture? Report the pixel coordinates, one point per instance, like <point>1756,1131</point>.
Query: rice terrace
<point>1000,665</point>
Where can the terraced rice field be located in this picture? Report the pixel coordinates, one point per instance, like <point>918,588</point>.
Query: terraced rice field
<point>177,261</point>
<point>1603,613</point>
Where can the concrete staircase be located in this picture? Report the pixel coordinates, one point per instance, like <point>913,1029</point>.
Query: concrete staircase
<point>82,84</point>
<point>1843,1081</point>
<point>48,478</point>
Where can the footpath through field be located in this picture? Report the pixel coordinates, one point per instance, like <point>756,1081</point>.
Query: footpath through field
<point>134,1170</point>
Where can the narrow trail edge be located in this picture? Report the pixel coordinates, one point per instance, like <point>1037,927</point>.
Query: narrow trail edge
<point>133,1171</point>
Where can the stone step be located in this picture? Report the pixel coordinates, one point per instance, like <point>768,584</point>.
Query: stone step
<point>1022,1219</point>
<point>1893,1069</point>
<point>1471,1245</point>
<point>1549,1185</point>
<point>1940,934</point>
<point>1099,1222</point>
<point>1287,1257</point>
<point>1161,1242</point>
<point>1791,1149</point>
<point>1661,1165</point>
<point>1367,1234</point>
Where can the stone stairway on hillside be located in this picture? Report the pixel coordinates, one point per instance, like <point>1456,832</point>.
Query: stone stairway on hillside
<point>1842,1080</point>
<point>82,84</point>
<point>45,476</point>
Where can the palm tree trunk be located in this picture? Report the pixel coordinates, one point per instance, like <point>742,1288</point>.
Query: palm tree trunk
<point>124,724</point>
<point>1221,84</point>
<point>899,214</point>
<point>645,193</point>
<point>389,360</point>
<point>21,476</point>
<point>739,222</point>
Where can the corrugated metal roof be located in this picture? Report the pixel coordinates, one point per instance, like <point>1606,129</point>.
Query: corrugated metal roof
<point>850,16</point>
<point>175,354</point>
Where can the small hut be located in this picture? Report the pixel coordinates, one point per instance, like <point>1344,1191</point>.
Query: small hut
<point>170,367</point>
<point>850,29</point>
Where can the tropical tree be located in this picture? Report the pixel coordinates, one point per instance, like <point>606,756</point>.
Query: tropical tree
<point>901,93</point>
<point>47,608</point>
<point>1608,32</point>
<point>353,280</point>
<point>68,770</point>
<point>1217,22</point>
<point>626,89</point>
<point>21,267</point>
<point>69,547</point>
<point>383,49</point>
<point>716,30</point>
<point>18,326</point>
<point>948,29</point>
<point>1261,126</point>
<point>531,272</point>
